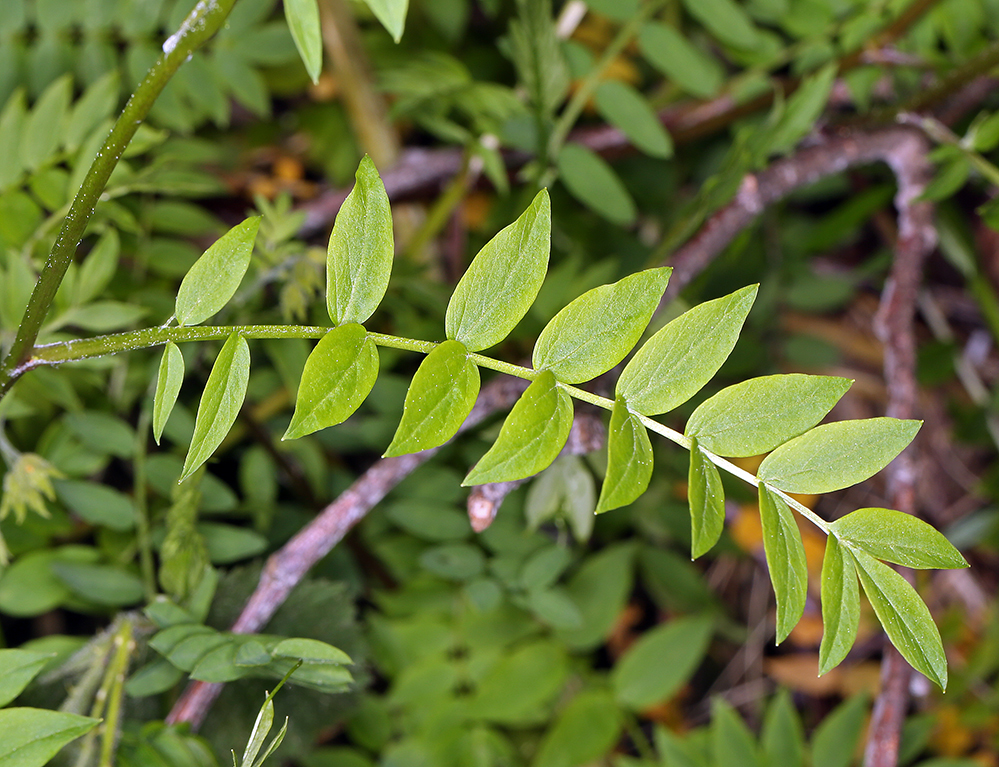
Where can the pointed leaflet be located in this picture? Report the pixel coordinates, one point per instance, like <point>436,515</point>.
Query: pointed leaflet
<point>392,15</point>
<point>840,605</point>
<point>220,403</point>
<point>595,332</point>
<point>168,382</point>
<point>30,737</point>
<point>898,538</point>
<point>531,437</point>
<point>338,375</point>
<point>904,616</point>
<point>836,455</point>
<point>303,21</point>
<point>17,668</point>
<point>757,415</point>
<point>785,560</point>
<point>502,281</point>
<point>629,460</point>
<point>439,399</point>
<point>359,257</point>
<point>707,502</point>
<point>212,281</point>
<point>681,358</point>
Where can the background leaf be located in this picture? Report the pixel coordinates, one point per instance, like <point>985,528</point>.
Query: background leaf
<point>392,15</point>
<point>707,502</point>
<point>168,383</point>
<point>686,65</point>
<point>17,669</point>
<point>897,537</point>
<point>29,737</point>
<point>840,605</point>
<point>629,460</point>
<point>785,554</point>
<point>592,181</point>
<point>626,109</point>
<point>303,21</point>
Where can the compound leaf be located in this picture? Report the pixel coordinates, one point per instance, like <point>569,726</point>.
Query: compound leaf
<point>785,554</point>
<point>303,21</point>
<point>338,375</point>
<point>503,280</point>
<point>213,279</point>
<point>595,332</point>
<point>836,455</point>
<point>629,459</point>
<point>707,502</point>
<point>168,382</point>
<point>220,403</point>
<point>359,257</point>
<point>439,399</point>
<point>898,538</point>
<point>30,737</point>
<point>531,437</point>
<point>683,356</point>
<point>757,415</point>
<point>840,605</point>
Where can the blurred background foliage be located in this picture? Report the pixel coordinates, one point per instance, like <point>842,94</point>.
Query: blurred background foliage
<point>554,638</point>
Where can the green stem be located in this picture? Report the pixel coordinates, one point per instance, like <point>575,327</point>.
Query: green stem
<point>142,529</point>
<point>199,26</point>
<point>122,645</point>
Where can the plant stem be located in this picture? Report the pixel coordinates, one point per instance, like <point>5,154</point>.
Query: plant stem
<point>122,646</point>
<point>141,498</point>
<point>206,18</point>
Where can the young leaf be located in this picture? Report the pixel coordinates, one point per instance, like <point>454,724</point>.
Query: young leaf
<point>707,502</point>
<point>840,605</point>
<point>359,257</point>
<point>627,110</point>
<point>220,403</point>
<point>30,737</point>
<point>629,460</point>
<point>531,437</point>
<point>303,21</point>
<point>595,332</point>
<point>904,616</point>
<point>898,538</point>
<point>503,280</point>
<point>338,375</point>
<point>392,15</point>
<point>213,279</point>
<point>836,455</point>
<point>786,560</point>
<point>261,727</point>
<point>439,399</point>
<point>755,416</point>
<point>592,181</point>
<point>684,355</point>
<point>168,382</point>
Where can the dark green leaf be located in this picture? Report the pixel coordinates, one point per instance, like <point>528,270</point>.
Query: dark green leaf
<point>628,111</point>
<point>17,668</point>
<point>600,588</point>
<point>785,559</point>
<point>592,181</point>
<point>219,664</point>
<point>29,737</point>
<point>554,608</point>
<point>11,128</point>
<point>595,332</point>
<point>101,584</point>
<point>303,20</point>
<point>359,256</point>
<point>97,504</point>
<point>220,403</point>
<point>338,376</point>
<point>153,678</point>
<point>899,538</point>
<point>727,21</point>
<point>782,736</point>
<point>98,267</point>
<point>732,744</point>
<point>684,355</point>
<point>629,460</point>
<point>835,741</point>
<point>213,279</point>
<point>439,400</point>
<point>585,731</point>
<point>532,435</point>
<point>311,651</point>
<point>228,543</point>
<point>686,65</point>
<point>755,416</point>
<point>168,382</point>
<point>44,125</point>
<point>502,281</point>
<point>803,109</point>
<point>836,455</point>
<point>840,605</point>
<point>95,105</point>
<point>392,15</point>
<point>537,55</point>
<point>454,561</point>
<point>707,502</point>
<point>521,682</point>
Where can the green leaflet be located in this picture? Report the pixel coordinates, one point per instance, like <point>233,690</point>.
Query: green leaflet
<point>627,110</point>
<point>836,455</point>
<point>531,437</point>
<point>686,65</point>
<point>392,15</point>
<point>836,737</point>
<point>840,605</point>
<point>439,400</point>
<point>213,279</point>
<point>43,126</point>
<point>592,181</point>
<point>585,730</point>
<point>629,460</point>
<point>359,257</point>
<point>803,109</point>
<point>731,741</point>
<point>904,616</point>
<point>338,375</point>
<point>17,668</point>
<point>727,20</point>
<point>311,651</point>
<point>168,382</point>
<point>755,416</point>
<point>30,737</point>
<point>707,502</point>
<point>502,281</point>
<point>782,735</point>
<point>683,356</point>
<point>595,332</point>
<point>898,538</point>
<point>785,559</point>
<point>303,21</point>
<point>220,402</point>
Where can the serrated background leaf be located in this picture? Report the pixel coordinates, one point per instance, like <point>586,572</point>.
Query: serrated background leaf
<point>303,21</point>
<point>168,383</point>
<point>338,376</point>
<point>595,332</point>
<point>707,502</point>
<point>840,605</point>
<point>629,460</point>
<point>213,279</point>
<point>532,435</point>
<point>220,403</point>
<point>438,401</point>
<point>503,280</point>
<point>785,554</point>
<point>684,355</point>
<point>359,255</point>
<point>898,538</point>
<point>758,415</point>
<point>836,455</point>
<point>29,737</point>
